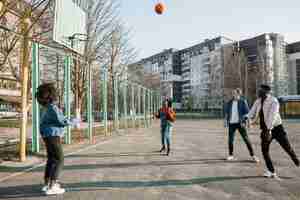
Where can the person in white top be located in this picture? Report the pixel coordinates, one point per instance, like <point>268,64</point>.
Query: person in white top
<point>266,110</point>
<point>235,111</point>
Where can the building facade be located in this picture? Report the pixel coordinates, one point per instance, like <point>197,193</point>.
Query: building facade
<point>255,61</point>
<point>293,54</point>
<point>164,65</point>
<point>202,82</point>
<point>206,73</point>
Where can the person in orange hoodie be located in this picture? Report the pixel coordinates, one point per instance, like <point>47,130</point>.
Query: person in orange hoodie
<point>167,117</point>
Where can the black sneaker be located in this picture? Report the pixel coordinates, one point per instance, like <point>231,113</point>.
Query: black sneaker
<point>162,149</point>
<point>168,152</point>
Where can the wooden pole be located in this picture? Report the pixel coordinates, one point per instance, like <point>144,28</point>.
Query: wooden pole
<point>24,84</point>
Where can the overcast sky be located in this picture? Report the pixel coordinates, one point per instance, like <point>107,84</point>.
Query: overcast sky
<point>187,22</point>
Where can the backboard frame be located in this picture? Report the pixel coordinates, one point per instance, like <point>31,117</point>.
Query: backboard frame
<point>69,21</point>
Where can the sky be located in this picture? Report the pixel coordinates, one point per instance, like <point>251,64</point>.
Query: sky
<point>188,22</point>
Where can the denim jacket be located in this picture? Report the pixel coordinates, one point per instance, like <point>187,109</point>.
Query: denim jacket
<point>243,110</point>
<point>53,122</point>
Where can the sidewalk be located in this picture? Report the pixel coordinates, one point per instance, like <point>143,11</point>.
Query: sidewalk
<point>128,166</point>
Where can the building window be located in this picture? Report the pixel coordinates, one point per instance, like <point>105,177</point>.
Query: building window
<point>298,75</point>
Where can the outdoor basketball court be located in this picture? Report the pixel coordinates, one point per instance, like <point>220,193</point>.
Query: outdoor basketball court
<point>129,167</point>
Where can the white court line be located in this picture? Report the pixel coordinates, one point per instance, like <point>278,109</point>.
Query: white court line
<point>41,164</point>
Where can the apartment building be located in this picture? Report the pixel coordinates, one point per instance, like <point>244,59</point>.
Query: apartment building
<point>202,74</point>
<point>205,74</point>
<point>293,54</point>
<point>164,65</point>
<point>266,62</point>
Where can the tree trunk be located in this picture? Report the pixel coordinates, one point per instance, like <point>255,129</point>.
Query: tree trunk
<point>77,85</point>
<point>24,90</point>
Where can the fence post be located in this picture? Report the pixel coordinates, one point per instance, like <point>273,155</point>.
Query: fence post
<point>154,102</point>
<point>67,91</point>
<point>132,112</point>
<point>116,107</point>
<point>89,104</point>
<point>35,71</point>
<point>150,107</point>
<point>157,102</point>
<point>160,102</point>
<point>104,100</point>
<point>125,103</point>
<point>144,93</point>
<point>139,106</point>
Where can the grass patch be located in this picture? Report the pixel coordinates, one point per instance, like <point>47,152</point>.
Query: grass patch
<point>11,123</point>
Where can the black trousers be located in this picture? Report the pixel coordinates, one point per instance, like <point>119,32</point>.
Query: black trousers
<point>55,158</point>
<point>243,132</point>
<point>279,134</point>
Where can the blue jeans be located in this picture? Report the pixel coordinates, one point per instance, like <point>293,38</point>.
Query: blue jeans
<point>166,132</point>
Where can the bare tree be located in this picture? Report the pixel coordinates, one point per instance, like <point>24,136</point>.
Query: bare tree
<point>119,55</point>
<point>101,15</point>
<point>25,16</point>
<point>10,33</point>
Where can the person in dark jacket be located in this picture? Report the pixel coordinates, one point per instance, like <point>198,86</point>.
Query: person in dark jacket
<point>52,130</point>
<point>235,111</point>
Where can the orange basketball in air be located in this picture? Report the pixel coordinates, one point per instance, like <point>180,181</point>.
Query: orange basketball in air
<point>159,8</point>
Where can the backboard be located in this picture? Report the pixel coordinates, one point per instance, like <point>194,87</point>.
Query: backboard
<point>69,20</point>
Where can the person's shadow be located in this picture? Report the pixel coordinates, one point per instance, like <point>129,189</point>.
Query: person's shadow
<point>27,191</point>
<point>202,161</point>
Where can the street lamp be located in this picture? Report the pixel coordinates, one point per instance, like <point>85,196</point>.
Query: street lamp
<point>236,50</point>
<point>233,43</point>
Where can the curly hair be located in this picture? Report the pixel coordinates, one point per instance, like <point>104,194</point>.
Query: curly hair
<point>46,94</point>
<point>168,101</point>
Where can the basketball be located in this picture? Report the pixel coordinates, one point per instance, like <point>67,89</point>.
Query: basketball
<point>159,8</point>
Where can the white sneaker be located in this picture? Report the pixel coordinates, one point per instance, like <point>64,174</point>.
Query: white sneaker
<point>55,189</point>
<point>276,177</point>
<point>255,159</point>
<point>230,158</point>
<point>269,174</point>
<point>45,188</point>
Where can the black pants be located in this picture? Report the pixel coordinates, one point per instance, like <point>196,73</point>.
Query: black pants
<point>243,132</point>
<point>279,134</point>
<point>55,158</point>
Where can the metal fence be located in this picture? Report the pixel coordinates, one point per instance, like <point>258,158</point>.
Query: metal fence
<point>111,102</point>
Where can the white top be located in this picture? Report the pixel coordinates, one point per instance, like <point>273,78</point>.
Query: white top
<point>234,119</point>
<point>270,109</point>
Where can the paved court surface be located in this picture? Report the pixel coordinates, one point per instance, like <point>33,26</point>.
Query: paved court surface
<point>128,166</point>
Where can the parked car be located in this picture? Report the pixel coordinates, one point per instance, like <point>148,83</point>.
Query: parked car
<point>5,113</point>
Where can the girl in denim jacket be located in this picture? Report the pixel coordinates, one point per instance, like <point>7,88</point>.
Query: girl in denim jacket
<point>52,130</point>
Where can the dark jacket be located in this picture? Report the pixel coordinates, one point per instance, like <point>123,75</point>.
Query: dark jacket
<point>243,109</point>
